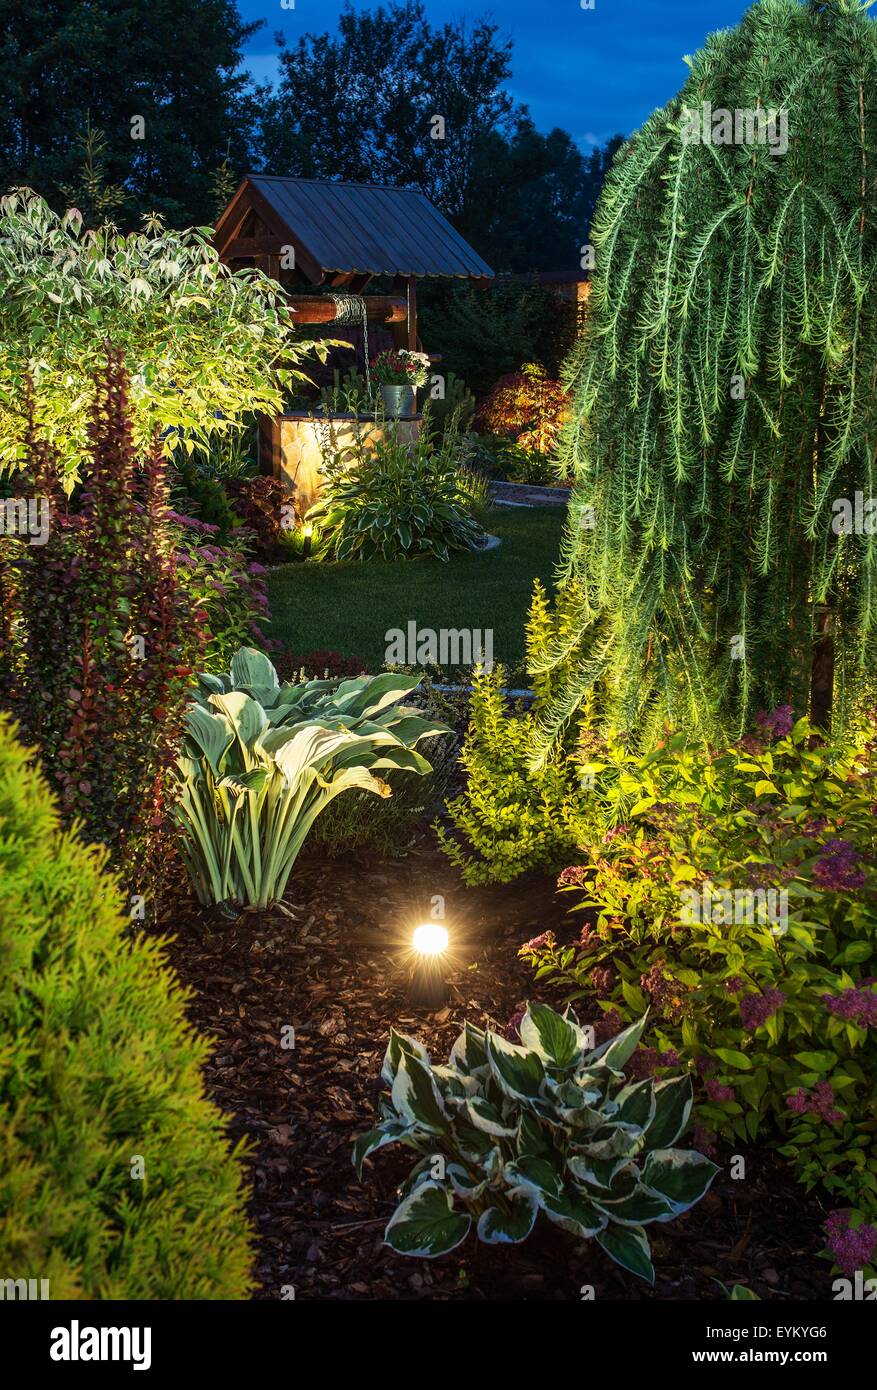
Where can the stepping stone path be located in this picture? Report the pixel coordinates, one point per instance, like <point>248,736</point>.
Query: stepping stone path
<point>525,495</point>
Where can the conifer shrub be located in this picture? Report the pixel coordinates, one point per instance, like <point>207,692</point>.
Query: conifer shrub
<point>509,820</point>
<point>99,1080</point>
<point>723,415</point>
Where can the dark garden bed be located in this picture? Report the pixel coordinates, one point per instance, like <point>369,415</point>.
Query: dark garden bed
<point>332,964</point>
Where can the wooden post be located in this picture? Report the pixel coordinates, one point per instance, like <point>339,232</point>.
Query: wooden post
<point>412,313</point>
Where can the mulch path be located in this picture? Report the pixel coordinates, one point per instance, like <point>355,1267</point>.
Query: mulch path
<point>332,963</point>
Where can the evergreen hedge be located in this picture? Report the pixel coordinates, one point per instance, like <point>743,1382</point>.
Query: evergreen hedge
<point>99,1069</point>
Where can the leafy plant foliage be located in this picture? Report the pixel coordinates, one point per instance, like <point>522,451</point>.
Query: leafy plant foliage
<point>550,1125</point>
<point>104,632</point>
<point>204,346</point>
<point>733,893</point>
<point>396,498</point>
<point>261,759</point>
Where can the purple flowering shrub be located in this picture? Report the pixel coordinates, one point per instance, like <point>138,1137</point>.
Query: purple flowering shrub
<point>221,581</point>
<point>734,892</point>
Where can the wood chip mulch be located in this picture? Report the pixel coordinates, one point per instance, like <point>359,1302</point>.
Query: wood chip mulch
<point>333,964</point>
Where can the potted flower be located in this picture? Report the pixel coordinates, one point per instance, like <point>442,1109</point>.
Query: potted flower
<point>398,374</point>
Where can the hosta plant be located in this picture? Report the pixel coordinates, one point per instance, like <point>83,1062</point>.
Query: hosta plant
<point>261,759</point>
<point>506,1131</point>
<point>396,499</point>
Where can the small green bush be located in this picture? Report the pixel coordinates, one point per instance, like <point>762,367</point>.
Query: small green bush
<point>98,1068</point>
<point>509,819</point>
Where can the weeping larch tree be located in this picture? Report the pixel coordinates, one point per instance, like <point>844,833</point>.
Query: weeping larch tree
<point>720,552</point>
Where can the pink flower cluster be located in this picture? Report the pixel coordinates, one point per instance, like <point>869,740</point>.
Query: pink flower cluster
<point>602,982</point>
<point>607,1026</point>
<point>545,942</point>
<point>756,1009</point>
<point>704,1140</point>
<point>852,1247</point>
<point>645,1060</point>
<point>572,877</point>
<point>838,867</point>
<point>589,940</point>
<point>716,1091</point>
<point>512,1028</point>
<point>858,1006</point>
<point>819,1102</point>
<point>778,723</point>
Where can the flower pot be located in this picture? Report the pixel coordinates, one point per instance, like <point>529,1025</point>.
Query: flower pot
<point>398,400</point>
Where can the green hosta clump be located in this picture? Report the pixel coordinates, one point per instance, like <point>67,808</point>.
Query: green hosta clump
<point>261,759</point>
<point>507,1131</point>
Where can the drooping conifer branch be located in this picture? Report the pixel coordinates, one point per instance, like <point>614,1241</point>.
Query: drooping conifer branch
<point>725,390</point>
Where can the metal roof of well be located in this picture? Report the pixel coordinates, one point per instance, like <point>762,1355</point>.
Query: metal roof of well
<point>369,228</point>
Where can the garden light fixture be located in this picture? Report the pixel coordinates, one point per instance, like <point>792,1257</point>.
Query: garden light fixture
<point>430,943</point>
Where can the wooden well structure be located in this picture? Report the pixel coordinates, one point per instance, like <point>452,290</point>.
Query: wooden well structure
<point>325,242</point>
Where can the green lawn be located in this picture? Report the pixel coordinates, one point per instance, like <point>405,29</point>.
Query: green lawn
<point>349,607</point>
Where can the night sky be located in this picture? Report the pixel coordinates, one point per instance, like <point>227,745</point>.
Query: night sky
<point>592,72</point>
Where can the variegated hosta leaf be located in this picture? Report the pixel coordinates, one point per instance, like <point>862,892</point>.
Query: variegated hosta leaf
<point>250,667</point>
<point>680,1175</point>
<point>530,1137</point>
<point>573,1212</point>
<point>673,1101</point>
<point>469,1053</point>
<point>536,1172</point>
<point>598,1162</point>
<point>390,1132</point>
<point>638,1208</point>
<point>464,1184</point>
<point>246,715</point>
<point>212,685</point>
<point>499,1227</point>
<point>309,742</point>
<point>399,1043</point>
<point>454,1086</point>
<point>421,1172</point>
<point>628,1246</point>
<point>518,1071</point>
<point>559,1042</point>
<point>488,1118</point>
<point>619,1049</point>
<point>426,1224</point>
<point>535,1127</point>
<point>636,1104</point>
<point>417,1098</point>
<point>210,733</point>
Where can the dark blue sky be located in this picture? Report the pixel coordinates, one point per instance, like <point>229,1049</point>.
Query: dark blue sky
<point>592,72</point>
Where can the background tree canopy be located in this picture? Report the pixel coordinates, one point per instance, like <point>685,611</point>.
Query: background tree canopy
<point>65,64</point>
<point>725,395</point>
<point>355,105</point>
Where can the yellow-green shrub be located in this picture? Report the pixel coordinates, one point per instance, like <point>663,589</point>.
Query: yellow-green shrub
<point>99,1070</point>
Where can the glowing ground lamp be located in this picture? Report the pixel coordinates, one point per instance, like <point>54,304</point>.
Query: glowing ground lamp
<point>308,532</point>
<point>430,944</point>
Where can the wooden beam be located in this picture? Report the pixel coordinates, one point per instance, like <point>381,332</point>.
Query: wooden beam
<point>379,308</point>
